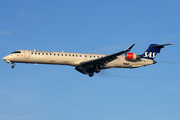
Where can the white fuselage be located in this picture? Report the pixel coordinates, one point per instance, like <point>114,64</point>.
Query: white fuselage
<point>72,59</point>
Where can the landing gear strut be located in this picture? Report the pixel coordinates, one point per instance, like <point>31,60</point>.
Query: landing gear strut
<point>13,65</point>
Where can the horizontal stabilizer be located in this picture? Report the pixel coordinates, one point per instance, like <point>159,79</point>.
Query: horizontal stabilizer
<point>162,46</point>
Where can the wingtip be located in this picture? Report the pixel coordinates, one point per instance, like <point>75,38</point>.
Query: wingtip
<point>129,48</point>
<point>132,45</point>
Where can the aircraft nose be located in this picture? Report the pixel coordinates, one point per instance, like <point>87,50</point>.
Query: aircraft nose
<point>4,58</point>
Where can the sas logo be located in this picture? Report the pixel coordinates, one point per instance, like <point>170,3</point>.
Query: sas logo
<point>150,54</point>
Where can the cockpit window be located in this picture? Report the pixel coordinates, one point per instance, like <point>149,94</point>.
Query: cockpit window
<point>16,52</point>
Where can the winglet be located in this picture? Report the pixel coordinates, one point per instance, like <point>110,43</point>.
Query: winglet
<point>129,48</point>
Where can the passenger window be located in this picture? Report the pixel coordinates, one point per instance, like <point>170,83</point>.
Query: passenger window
<point>31,52</point>
<point>54,54</point>
<point>76,55</point>
<point>46,53</point>
<point>36,53</point>
<point>39,53</point>
<point>50,54</point>
<point>42,53</point>
<point>58,54</point>
<point>94,56</point>
<point>69,54</point>
<point>79,55</point>
<point>61,54</point>
<point>73,55</point>
<point>65,54</point>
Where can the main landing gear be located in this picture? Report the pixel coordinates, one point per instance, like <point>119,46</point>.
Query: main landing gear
<point>91,74</point>
<point>96,69</point>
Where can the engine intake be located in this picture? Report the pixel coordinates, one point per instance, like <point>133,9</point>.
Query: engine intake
<point>131,56</point>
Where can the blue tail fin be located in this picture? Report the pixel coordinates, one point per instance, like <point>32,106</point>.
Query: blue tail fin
<point>152,50</point>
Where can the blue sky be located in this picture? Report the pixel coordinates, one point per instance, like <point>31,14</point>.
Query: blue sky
<point>44,92</point>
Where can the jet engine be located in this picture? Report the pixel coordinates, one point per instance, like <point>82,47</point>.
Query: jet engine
<point>131,56</point>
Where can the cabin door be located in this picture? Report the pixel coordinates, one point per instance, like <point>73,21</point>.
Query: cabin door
<point>26,54</point>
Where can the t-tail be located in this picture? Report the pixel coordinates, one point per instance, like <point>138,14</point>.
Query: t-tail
<point>152,50</point>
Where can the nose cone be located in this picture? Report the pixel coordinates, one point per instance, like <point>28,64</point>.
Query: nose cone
<point>7,58</point>
<point>4,58</point>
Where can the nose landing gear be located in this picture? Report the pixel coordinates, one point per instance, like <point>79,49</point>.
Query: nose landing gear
<point>13,65</point>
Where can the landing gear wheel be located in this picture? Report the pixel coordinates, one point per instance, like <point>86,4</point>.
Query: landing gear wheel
<point>97,70</point>
<point>12,66</point>
<point>91,74</point>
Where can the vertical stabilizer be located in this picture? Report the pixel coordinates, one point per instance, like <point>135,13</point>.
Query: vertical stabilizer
<point>152,50</point>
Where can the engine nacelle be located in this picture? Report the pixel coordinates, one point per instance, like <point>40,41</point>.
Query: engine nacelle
<point>131,56</point>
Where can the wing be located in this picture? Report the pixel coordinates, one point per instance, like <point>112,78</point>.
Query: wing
<point>95,65</point>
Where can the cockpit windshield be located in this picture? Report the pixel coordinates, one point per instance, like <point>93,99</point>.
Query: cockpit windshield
<point>16,52</point>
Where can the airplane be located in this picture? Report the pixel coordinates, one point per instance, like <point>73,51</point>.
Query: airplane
<point>87,63</point>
